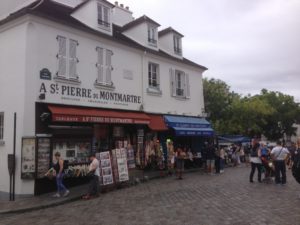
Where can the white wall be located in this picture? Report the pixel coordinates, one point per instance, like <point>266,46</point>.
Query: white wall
<point>139,34</point>
<point>167,104</point>
<point>88,15</point>
<point>166,43</point>
<point>121,16</point>
<point>12,99</point>
<point>122,59</point>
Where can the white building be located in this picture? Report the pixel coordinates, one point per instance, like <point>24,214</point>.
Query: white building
<point>74,74</point>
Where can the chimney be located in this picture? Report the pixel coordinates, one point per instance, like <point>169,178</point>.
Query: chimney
<point>122,5</point>
<point>116,3</point>
<point>127,7</point>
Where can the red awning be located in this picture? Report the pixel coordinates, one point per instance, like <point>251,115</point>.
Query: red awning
<point>87,115</point>
<point>157,123</point>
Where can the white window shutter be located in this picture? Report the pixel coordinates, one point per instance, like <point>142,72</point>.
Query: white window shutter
<point>187,86</point>
<point>72,59</point>
<point>157,76</point>
<point>100,65</point>
<point>108,67</point>
<point>62,56</point>
<point>172,82</point>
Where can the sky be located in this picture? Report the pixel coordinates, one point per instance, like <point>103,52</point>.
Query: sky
<point>249,44</point>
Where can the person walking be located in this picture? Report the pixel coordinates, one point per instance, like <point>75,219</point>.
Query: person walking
<point>180,156</point>
<point>222,160</point>
<point>279,154</point>
<point>94,172</point>
<point>59,175</point>
<point>210,159</point>
<point>255,162</point>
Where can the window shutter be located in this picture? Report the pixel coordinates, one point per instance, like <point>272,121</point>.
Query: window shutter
<point>172,82</point>
<point>106,16</point>
<point>62,56</point>
<point>100,65</point>
<point>108,67</point>
<point>100,18</point>
<point>187,86</point>
<point>157,76</point>
<point>72,59</point>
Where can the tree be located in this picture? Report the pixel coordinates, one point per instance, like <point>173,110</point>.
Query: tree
<point>286,113</point>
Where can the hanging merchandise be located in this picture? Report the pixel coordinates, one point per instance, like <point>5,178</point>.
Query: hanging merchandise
<point>130,157</point>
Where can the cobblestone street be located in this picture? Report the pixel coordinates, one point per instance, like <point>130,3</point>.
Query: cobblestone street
<point>198,199</point>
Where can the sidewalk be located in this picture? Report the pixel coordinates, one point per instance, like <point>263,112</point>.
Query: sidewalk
<point>46,201</point>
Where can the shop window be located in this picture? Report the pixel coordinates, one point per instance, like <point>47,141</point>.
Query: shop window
<point>73,151</point>
<point>67,59</point>
<point>103,17</point>
<point>180,86</point>
<point>104,67</point>
<point>1,126</point>
<point>152,35</point>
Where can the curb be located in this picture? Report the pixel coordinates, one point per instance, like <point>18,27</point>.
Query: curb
<point>73,199</point>
<point>34,208</point>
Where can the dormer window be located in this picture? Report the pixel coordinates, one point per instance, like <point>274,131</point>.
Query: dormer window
<point>152,35</point>
<point>177,45</point>
<point>104,17</point>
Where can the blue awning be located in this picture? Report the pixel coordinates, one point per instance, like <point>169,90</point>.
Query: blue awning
<point>189,126</point>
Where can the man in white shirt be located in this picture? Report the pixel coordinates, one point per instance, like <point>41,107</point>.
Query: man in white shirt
<point>94,172</point>
<point>279,154</point>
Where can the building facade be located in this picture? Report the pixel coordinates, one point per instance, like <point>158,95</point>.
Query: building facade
<point>88,77</point>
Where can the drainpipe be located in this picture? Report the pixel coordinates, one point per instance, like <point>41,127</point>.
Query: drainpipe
<point>143,67</point>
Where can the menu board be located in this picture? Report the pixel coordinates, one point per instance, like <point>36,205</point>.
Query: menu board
<point>122,164</point>
<point>106,168</point>
<point>43,156</point>
<point>28,158</point>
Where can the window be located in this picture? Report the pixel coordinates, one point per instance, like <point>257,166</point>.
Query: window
<point>177,45</point>
<point>180,86</point>
<point>153,75</point>
<point>1,126</point>
<point>103,16</point>
<point>67,60</point>
<point>180,83</point>
<point>152,33</point>
<point>104,67</point>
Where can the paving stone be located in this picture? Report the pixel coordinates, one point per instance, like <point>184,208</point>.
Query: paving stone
<point>199,199</point>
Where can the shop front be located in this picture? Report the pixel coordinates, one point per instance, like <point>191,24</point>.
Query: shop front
<point>190,133</point>
<point>117,137</point>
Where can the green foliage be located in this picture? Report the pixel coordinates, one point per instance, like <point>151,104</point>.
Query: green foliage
<point>269,113</point>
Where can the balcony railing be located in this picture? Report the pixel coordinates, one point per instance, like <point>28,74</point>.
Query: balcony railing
<point>152,41</point>
<point>103,23</point>
<point>178,50</point>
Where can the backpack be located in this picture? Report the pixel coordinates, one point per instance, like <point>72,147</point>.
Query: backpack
<point>254,152</point>
<point>66,164</point>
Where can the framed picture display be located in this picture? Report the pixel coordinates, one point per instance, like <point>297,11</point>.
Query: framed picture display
<point>106,168</point>
<point>43,156</point>
<point>28,162</point>
<point>122,164</point>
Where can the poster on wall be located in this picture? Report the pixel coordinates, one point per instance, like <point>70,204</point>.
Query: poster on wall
<point>121,155</point>
<point>43,156</point>
<point>28,167</point>
<point>106,168</point>
<point>130,157</point>
<point>115,165</point>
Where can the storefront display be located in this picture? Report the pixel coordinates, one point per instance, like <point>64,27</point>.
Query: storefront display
<point>73,151</point>
<point>43,156</point>
<point>28,158</point>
